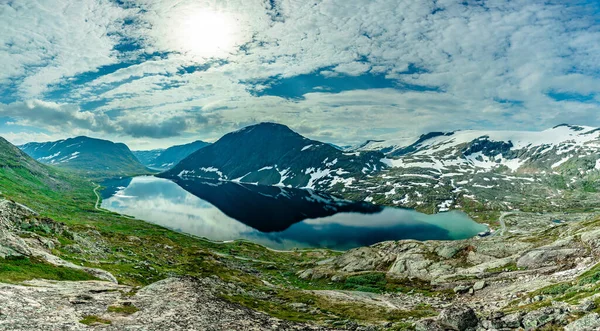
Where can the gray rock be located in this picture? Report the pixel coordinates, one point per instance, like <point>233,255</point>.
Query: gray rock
<point>547,256</point>
<point>589,322</point>
<point>538,318</point>
<point>363,259</point>
<point>461,289</point>
<point>338,278</point>
<point>478,286</point>
<point>458,318</point>
<point>448,250</point>
<point>587,305</point>
<point>511,321</point>
<point>592,239</point>
<point>305,274</point>
<point>170,304</point>
<point>429,324</point>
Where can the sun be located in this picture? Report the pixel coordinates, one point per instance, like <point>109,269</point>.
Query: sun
<point>205,33</point>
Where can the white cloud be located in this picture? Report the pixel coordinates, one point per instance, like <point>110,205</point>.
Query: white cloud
<point>43,42</point>
<point>494,62</point>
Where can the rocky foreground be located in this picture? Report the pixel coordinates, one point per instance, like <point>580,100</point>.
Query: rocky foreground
<point>543,278</point>
<point>530,280</point>
<point>170,304</point>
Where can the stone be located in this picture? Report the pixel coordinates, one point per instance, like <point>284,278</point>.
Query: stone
<point>461,289</point>
<point>429,324</point>
<point>589,322</point>
<point>538,318</point>
<point>171,304</point>
<point>305,274</point>
<point>547,256</point>
<point>458,318</point>
<point>592,239</point>
<point>338,278</point>
<point>511,321</point>
<point>587,305</point>
<point>478,286</point>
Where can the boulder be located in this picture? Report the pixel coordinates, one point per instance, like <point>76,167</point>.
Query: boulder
<point>458,318</point>
<point>587,305</point>
<point>305,274</point>
<point>589,322</point>
<point>363,259</point>
<point>478,286</point>
<point>461,289</point>
<point>512,321</point>
<point>448,250</point>
<point>429,324</point>
<point>592,239</point>
<point>538,318</point>
<point>547,256</point>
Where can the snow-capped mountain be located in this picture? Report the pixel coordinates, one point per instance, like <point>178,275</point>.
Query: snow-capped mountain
<point>164,159</point>
<point>87,155</point>
<point>385,146</point>
<point>441,171</point>
<point>272,154</point>
<point>514,150</point>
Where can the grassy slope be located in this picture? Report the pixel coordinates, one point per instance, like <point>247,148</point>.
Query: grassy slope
<point>139,253</point>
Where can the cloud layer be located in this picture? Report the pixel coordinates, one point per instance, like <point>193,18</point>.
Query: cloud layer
<point>337,70</point>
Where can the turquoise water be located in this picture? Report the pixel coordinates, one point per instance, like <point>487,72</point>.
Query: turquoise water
<point>277,217</point>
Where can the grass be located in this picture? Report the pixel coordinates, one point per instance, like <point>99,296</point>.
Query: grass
<point>17,270</point>
<point>92,320</point>
<point>328,310</point>
<point>591,276</point>
<point>371,282</point>
<point>125,309</point>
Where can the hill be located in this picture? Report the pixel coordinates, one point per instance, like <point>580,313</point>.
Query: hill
<point>87,156</point>
<point>164,159</point>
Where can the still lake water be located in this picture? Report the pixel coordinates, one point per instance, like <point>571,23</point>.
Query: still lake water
<point>277,217</point>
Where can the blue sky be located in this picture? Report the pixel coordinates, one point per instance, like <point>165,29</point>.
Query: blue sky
<point>153,73</point>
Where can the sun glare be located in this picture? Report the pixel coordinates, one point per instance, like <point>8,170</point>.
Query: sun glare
<point>206,33</point>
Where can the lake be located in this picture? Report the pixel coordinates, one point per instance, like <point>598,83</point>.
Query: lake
<point>277,217</point>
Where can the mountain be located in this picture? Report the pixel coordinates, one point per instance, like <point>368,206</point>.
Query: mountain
<point>163,159</point>
<point>26,180</point>
<point>496,170</point>
<point>88,156</point>
<point>147,157</point>
<point>384,146</point>
<point>272,154</point>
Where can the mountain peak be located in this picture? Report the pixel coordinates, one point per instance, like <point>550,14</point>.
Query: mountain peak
<point>265,126</point>
<point>572,127</point>
<point>268,130</point>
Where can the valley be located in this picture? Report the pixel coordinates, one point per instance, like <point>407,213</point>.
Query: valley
<point>538,269</point>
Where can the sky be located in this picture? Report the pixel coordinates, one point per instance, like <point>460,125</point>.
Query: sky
<point>153,73</point>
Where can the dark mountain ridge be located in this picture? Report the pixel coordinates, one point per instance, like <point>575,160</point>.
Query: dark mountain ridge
<point>273,154</point>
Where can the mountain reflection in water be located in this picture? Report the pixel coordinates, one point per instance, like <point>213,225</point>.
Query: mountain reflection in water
<point>277,217</point>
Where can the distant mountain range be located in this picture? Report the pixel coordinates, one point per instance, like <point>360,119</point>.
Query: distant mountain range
<point>500,170</point>
<point>555,169</point>
<point>164,159</point>
<point>88,156</point>
<point>272,154</point>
